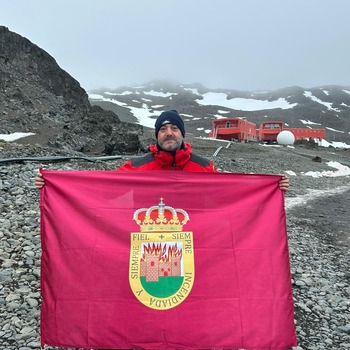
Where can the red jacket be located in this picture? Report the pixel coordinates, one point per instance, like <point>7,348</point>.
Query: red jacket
<point>183,159</point>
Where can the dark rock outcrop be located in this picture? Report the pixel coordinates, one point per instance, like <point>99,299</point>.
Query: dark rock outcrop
<point>37,96</point>
<point>317,159</point>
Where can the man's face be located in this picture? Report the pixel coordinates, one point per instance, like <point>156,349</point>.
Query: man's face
<point>169,137</point>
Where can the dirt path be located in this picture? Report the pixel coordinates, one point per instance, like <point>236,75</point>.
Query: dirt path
<point>329,216</point>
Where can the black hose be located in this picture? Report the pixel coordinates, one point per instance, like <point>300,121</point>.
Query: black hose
<point>57,159</point>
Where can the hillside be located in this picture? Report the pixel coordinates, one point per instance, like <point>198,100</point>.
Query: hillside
<point>37,96</point>
<point>321,107</point>
<point>318,232</point>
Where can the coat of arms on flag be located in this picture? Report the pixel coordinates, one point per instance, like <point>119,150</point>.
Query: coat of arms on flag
<point>161,270</point>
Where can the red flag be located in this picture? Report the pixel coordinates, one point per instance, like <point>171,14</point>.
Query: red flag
<point>164,260</point>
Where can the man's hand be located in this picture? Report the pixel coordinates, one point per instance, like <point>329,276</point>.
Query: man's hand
<point>39,181</point>
<point>284,183</point>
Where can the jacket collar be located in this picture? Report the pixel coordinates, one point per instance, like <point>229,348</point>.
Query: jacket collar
<point>176,159</point>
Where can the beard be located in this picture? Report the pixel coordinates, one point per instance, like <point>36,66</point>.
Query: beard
<point>170,143</point>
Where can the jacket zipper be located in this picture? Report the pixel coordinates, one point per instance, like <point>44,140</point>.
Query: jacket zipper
<point>173,166</point>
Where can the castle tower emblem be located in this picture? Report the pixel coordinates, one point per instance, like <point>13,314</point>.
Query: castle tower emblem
<point>161,269</point>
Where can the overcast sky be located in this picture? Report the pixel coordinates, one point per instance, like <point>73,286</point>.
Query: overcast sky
<point>243,45</point>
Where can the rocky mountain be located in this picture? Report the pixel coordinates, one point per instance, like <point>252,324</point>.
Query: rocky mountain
<point>321,107</point>
<point>37,96</point>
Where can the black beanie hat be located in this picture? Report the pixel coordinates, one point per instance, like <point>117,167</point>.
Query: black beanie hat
<point>170,117</point>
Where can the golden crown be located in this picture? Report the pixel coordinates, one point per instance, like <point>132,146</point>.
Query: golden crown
<point>160,218</point>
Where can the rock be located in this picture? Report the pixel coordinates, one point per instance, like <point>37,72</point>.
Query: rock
<point>317,159</point>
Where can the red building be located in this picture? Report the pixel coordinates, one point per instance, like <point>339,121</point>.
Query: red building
<point>268,131</point>
<point>233,129</point>
<point>242,130</point>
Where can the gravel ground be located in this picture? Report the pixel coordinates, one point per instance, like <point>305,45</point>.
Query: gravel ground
<point>317,220</point>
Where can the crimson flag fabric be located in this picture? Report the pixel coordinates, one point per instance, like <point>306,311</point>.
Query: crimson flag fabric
<point>164,260</point>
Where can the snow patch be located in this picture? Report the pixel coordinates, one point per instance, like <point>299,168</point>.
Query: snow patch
<point>342,170</point>
<point>15,136</point>
<point>242,104</point>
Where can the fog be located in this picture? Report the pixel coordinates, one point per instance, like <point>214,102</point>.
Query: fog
<point>244,45</point>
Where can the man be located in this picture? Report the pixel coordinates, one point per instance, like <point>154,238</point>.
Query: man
<point>170,152</point>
